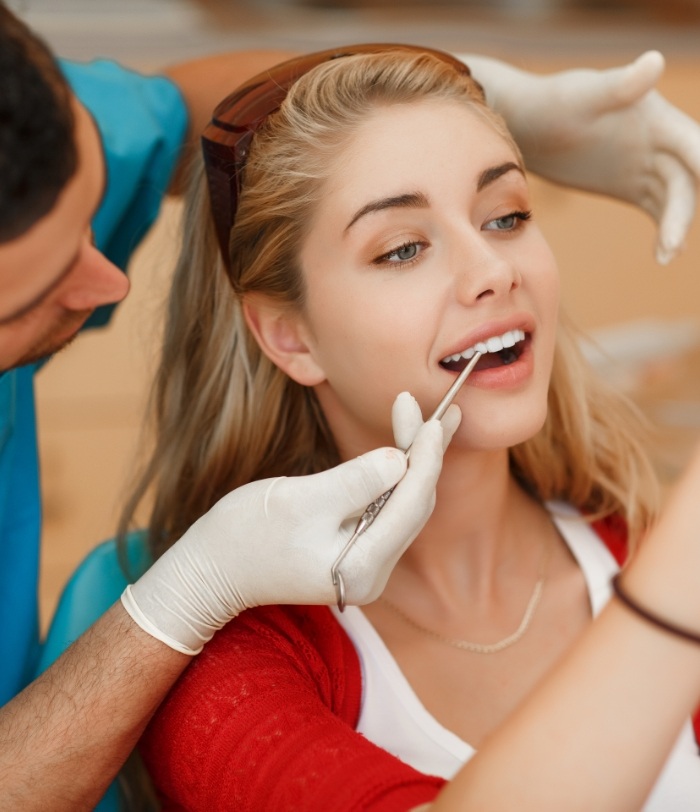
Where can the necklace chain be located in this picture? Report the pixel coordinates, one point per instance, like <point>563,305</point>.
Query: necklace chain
<point>485,648</point>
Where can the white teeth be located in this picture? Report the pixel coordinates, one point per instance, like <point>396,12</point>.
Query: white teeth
<point>493,344</point>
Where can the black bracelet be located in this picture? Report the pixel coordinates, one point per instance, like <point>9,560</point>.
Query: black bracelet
<point>660,623</point>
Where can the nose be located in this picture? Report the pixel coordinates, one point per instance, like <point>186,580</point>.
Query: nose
<point>94,281</point>
<point>485,271</point>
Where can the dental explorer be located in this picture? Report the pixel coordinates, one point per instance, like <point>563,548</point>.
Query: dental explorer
<point>373,509</point>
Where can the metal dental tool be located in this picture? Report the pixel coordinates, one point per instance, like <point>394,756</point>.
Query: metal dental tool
<point>375,507</point>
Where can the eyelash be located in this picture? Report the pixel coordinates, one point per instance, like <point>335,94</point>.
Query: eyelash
<point>384,259</point>
<point>521,217</point>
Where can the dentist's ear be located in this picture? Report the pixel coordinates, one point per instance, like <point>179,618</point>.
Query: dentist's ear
<point>284,339</point>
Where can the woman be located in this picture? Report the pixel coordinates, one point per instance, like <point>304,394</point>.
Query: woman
<point>381,232</point>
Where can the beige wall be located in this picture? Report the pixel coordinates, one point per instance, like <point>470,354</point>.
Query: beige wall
<point>90,398</point>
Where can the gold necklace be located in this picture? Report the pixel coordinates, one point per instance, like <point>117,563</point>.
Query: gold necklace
<point>486,648</point>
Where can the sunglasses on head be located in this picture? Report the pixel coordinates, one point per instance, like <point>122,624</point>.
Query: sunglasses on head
<point>226,139</point>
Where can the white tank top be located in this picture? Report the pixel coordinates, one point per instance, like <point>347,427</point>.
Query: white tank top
<point>394,718</point>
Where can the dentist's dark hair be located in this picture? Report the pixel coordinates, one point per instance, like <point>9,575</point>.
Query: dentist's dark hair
<point>37,148</point>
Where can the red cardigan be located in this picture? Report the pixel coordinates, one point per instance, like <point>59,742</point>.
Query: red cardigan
<point>264,719</point>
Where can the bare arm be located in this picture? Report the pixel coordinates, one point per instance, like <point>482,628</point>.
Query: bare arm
<point>596,732</point>
<point>64,738</point>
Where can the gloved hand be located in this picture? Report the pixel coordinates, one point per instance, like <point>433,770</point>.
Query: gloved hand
<point>605,131</point>
<point>275,541</point>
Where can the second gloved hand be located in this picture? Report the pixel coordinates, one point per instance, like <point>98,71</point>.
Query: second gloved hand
<point>605,131</point>
<point>275,541</point>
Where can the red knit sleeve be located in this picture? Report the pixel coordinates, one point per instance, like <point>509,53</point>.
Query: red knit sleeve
<point>264,720</point>
<point>613,531</point>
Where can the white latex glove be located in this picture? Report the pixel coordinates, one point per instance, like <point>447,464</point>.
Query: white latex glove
<point>605,131</point>
<point>275,541</point>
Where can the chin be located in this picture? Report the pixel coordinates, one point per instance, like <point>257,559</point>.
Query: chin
<point>498,432</point>
<point>47,349</point>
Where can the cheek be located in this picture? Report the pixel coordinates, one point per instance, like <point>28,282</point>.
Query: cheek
<point>371,345</point>
<point>542,281</point>
<point>375,320</point>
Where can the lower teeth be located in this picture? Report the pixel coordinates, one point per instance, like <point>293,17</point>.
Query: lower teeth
<point>507,356</point>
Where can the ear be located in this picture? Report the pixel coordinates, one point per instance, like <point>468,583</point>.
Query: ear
<point>283,337</point>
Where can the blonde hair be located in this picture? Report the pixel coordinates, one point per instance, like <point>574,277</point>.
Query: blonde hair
<point>225,415</point>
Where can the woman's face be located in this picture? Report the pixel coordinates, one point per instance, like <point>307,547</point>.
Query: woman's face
<point>421,249</point>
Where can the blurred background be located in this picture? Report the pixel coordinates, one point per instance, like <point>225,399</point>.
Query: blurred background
<point>644,318</point>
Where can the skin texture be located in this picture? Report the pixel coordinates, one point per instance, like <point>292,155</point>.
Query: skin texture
<point>389,294</point>
<point>453,270</point>
<point>621,665</point>
<point>64,738</point>
<point>52,755</point>
<point>375,324</point>
<point>42,311</point>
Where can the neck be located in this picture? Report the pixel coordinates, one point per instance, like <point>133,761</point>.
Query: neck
<point>479,535</point>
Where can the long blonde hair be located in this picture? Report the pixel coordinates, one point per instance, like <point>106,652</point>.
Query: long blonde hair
<point>224,415</point>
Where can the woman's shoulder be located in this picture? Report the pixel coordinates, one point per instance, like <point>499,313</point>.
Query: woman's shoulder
<point>265,717</point>
<point>301,631</point>
<point>293,649</point>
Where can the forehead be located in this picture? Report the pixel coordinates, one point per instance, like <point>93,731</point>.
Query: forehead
<point>32,262</point>
<point>417,145</point>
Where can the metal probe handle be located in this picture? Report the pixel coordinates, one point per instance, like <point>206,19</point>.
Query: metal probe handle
<point>374,508</point>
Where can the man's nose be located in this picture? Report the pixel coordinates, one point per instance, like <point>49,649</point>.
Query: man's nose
<point>93,282</point>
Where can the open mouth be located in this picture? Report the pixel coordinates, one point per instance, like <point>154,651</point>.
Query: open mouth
<point>497,351</point>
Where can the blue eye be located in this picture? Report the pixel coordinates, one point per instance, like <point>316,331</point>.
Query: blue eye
<point>407,251</point>
<point>509,222</point>
<point>403,254</point>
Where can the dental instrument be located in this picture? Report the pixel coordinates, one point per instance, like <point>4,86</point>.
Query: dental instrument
<point>373,509</point>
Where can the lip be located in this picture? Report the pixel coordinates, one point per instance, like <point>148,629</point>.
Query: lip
<point>521,321</point>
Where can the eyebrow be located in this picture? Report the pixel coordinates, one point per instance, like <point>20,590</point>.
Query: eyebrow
<point>411,200</point>
<point>492,174</point>
<point>417,200</point>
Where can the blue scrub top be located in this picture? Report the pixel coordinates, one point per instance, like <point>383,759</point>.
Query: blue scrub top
<point>143,122</point>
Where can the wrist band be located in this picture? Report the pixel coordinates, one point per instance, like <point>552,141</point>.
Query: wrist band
<point>660,623</point>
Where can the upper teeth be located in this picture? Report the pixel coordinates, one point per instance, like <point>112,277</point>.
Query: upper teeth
<point>494,344</point>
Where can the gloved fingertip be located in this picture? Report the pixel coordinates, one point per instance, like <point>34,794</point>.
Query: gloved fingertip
<point>405,400</point>
<point>450,423</point>
<point>635,79</point>
<point>406,419</point>
<point>669,245</point>
<point>664,254</point>
<point>655,59</point>
<point>429,440</point>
